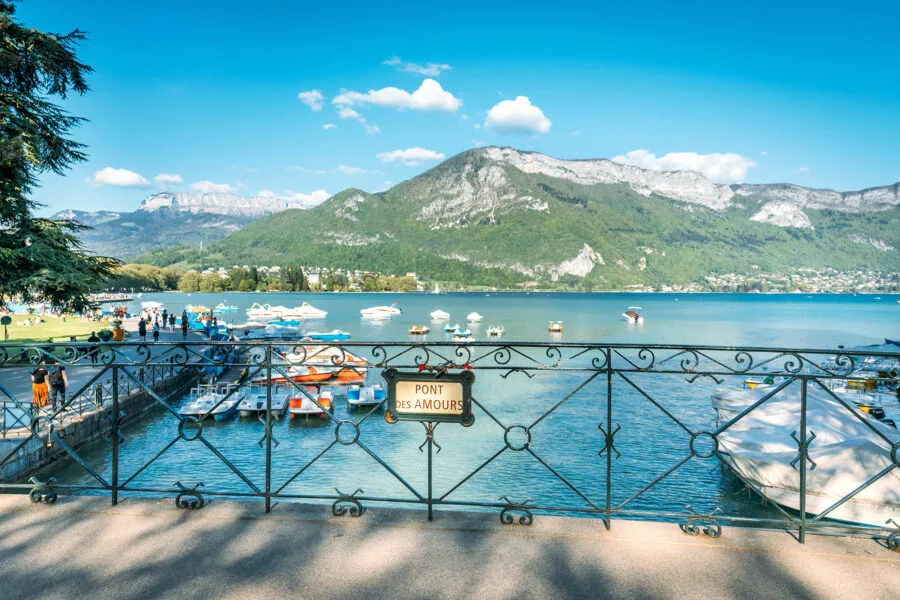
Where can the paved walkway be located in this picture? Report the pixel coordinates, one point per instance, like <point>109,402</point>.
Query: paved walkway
<point>82,547</point>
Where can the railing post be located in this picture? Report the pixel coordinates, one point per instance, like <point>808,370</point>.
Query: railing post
<point>803,454</point>
<point>115,435</point>
<point>609,425</point>
<point>430,447</point>
<point>269,427</point>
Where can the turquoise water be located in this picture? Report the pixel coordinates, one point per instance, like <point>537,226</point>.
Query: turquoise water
<point>568,439</point>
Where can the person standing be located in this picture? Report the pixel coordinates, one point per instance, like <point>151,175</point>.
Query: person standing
<point>142,329</point>
<point>156,331</point>
<point>172,322</point>
<point>94,350</point>
<point>165,317</point>
<point>184,326</point>
<point>39,390</point>
<point>58,382</point>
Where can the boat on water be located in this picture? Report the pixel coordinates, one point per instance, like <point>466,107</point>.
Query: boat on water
<point>302,406</point>
<point>381,312</point>
<point>198,309</point>
<point>298,374</point>
<point>633,315</point>
<point>263,312</point>
<point>221,307</point>
<point>474,317</point>
<point>448,328</point>
<point>555,326</point>
<point>369,395</point>
<point>207,400</point>
<point>304,311</point>
<point>462,335</point>
<point>439,315</point>
<point>848,450</point>
<point>345,368</point>
<point>254,403</point>
<point>282,322</point>
<point>335,335</point>
<point>416,330</point>
<point>495,331</point>
<point>150,304</point>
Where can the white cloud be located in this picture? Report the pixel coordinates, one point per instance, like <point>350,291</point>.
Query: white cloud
<point>764,153</point>
<point>429,96</point>
<point>370,129</point>
<point>328,126</point>
<point>355,170</point>
<point>208,187</point>
<point>313,199</point>
<point>428,70</point>
<point>348,113</point>
<point>385,185</point>
<point>517,116</point>
<point>267,194</point>
<point>117,178</point>
<point>803,170</point>
<point>721,168</point>
<point>306,170</point>
<point>165,179</point>
<point>410,156</point>
<point>312,99</point>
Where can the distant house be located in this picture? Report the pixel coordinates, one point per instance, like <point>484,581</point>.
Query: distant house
<point>313,277</point>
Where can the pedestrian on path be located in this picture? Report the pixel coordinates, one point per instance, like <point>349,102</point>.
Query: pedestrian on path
<point>172,322</point>
<point>142,329</point>
<point>58,382</point>
<point>184,326</point>
<point>94,349</point>
<point>39,390</point>
<point>156,331</point>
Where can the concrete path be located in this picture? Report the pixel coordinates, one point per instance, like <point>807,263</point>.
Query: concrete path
<point>82,547</point>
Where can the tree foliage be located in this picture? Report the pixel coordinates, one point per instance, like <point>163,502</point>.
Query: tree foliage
<point>40,258</point>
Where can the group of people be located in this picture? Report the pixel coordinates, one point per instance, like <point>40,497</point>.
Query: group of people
<point>49,383</point>
<point>156,321</point>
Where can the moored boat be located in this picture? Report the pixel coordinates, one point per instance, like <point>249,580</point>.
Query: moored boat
<point>474,317</point>
<point>555,326</point>
<point>254,403</point>
<point>495,331</point>
<point>416,330</point>
<point>263,312</point>
<point>633,315</point>
<point>221,307</point>
<point>439,315</point>
<point>448,328</point>
<point>219,401</point>
<point>304,311</point>
<point>335,335</point>
<point>302,405</point>
<point>381,312</point>
<point>461,335</point>
<point>369,395</point>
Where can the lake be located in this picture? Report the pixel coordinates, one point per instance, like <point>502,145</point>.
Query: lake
<point>568,440</point>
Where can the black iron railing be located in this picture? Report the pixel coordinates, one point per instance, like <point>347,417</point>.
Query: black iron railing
<point>607,430</point>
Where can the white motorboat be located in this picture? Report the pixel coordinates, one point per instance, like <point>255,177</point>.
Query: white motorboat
<point>381,312</point>
<point>204,397</point>
<point>633,315</point>
<point>848,450</point>
<point>474,317</point>
<point>304,311</point>
<point>369,395</point>
<point>150,305</point>
<point>254,403</point>
<point>262,312</point>
<point>555,327</point>
<point>495,331</point>
<point>302,406</point>
<point>439,315</point>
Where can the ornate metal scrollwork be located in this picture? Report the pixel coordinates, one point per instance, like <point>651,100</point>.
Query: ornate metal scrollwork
<point>348,504</point>
<point>609,444</point>
<point>694,378</point>
<point>517,370</point>
<point>268,432</point>
<point>525,515</point>
<point>42,491</point>
<point>702,523</point>
<point>189,497</point>
<point>740,358</point>
<point>803,450</point>
<point>429,436</point>
<point>893,540</point>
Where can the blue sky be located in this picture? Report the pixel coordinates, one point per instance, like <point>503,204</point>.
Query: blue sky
<point>802,92</point>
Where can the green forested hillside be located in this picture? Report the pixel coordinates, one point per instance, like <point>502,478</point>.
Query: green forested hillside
<point>645,240</point>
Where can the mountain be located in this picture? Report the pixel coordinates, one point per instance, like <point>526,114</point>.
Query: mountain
<point>167,219</point>
<point>498,216</point>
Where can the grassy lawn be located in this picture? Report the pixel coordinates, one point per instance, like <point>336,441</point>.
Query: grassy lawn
<point>52,327</point>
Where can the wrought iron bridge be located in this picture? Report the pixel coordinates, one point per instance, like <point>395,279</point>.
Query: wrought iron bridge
<point>610,425</point>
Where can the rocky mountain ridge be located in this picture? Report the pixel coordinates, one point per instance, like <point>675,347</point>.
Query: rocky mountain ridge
<point>222,204</point>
